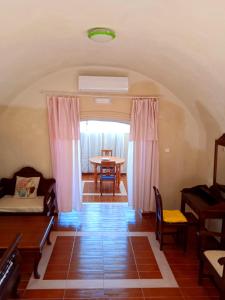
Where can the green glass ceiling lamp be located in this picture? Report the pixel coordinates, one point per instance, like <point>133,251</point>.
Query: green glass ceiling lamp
<point>101,34</point>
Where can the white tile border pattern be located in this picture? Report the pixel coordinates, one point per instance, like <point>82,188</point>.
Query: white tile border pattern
<point>122,190</point>
<point>167,280</point>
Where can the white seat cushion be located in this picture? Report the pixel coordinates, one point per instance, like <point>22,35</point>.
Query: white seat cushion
<point>213,256</point>
<point>10,203</point>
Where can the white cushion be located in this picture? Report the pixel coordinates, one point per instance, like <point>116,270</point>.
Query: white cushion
<point>12,204</point>
<point>213,256</point>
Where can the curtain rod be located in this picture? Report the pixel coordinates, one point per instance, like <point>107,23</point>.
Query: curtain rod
<point>65,93</point>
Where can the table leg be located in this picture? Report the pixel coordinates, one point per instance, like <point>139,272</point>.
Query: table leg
<point>182,208</point>
<point>36,262</point>
<point>118,175</point>
<point>223,232</point>
<point>95,174</point>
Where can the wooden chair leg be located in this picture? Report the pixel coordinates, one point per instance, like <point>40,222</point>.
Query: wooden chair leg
<point>200,271</point>
<point>222,295</point>
<point>157,230</point>
<point>161,241</point>
<point>113,188</point>
<point>101,187</point>
<point>185,238</point>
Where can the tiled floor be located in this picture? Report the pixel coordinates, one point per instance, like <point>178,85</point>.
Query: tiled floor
<point>107,242</point>
<point>101,257</point>
<point>91,191</point>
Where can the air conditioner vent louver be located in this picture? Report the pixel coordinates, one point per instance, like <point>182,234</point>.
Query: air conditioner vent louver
<point>103,84</point>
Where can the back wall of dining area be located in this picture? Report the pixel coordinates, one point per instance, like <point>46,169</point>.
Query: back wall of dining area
<point>185,149</point>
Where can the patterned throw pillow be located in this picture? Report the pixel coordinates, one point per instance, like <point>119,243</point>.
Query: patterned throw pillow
<point>26,187</point>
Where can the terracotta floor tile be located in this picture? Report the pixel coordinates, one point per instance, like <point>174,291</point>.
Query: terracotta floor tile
<point>167,298</point>
<point>85,275</point>
<point>162,292</point>
<point>118,254</point>
<point>121,275</point>
<point>145,260</point>
<point>86,268</point>
<point>57,268</point>
<point>113,293</point>
<point>119,260</point>
<point>41,294</point>
<point>87,260</point>
<point>120,267</point>
<point>142,253</point>
<point>55,276</point>
<point>84,293</point>
<point>193,282</point>
<point>201,298</point>
<point>150,275</point>
<point>199,291</point>
<point>59,260</point>
<point>148,268</point>
<point>125,298</point>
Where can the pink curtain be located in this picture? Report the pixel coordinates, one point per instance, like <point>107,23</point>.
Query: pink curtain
<point>64,132</point>
<point>143,157</point>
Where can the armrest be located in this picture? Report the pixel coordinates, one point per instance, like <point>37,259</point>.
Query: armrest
<point>2,193</point>
<point>7,186</point>
<point>47,190</point>
<point>8,253</point>
<point>221,261</point>
<point>45,185</point>
<point>209,240</point>
<point>10,270</point>
<point>204,233</point>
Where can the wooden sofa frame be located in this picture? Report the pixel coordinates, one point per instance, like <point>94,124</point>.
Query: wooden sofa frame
<point>45,188</point>
<point>10,264</point>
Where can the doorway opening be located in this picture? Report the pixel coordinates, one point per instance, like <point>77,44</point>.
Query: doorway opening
<point>94,137</point>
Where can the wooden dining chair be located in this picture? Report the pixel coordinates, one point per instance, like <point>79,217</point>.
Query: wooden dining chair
<point>169,222</point>
<point>108,173</point>
<point>106,152</point>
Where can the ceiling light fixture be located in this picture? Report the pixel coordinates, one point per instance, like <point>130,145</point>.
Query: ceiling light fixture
<point>101,34</point>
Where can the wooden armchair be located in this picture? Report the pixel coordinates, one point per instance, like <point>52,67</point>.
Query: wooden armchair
<point>10,271</point>
<point>42,204</point>
<point>212,261</point>
<point>169,222</point>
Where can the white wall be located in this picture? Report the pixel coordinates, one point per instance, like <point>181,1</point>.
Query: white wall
<point>24,129</point>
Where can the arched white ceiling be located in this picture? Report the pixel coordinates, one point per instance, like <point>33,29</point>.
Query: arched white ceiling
<point>180,44</point>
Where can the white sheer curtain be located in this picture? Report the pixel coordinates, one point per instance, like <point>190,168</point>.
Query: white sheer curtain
<point>93,142</point>
<point>64,132</point>
<point>143,157</point>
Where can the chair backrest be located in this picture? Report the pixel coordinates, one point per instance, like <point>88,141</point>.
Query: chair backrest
<point>108,168</point>
<point>158,203</point>
<point>106,152</point>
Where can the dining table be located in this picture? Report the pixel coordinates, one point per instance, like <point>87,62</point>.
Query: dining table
<point>96,162</point>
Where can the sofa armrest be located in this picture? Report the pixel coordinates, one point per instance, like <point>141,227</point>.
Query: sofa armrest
<point>7,186</point>
<point>49,196</point>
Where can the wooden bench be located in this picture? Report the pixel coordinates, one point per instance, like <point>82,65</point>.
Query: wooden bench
<point>43,204</point>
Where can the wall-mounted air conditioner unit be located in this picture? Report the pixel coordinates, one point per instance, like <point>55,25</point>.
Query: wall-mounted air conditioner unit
<point>103,84</point>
